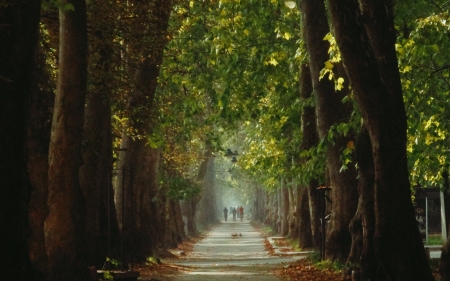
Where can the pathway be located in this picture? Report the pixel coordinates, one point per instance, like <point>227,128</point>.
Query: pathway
<point>226,255</point>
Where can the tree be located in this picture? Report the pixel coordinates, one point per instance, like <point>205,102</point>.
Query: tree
<point>64,225</point>
<point>141,156</point>
<point>19,37</point>
<point>96,171</point>
<point>331,111</point>
<point>309,141</point>
<point>396,239</point>
<point>39,128</point>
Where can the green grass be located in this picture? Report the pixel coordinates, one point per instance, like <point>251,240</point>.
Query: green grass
<point>295,244</point>
<point>435,239</point>
<point>314,258</point>
<point>333,265</point>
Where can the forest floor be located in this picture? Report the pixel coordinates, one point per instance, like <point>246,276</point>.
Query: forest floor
<point>237,251</point>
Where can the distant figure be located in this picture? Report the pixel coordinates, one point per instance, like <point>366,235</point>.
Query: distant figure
<point>234,213</point>
<point>225,213</point>
<point>241,212</point>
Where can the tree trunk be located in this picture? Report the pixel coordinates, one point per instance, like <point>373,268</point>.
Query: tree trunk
<point>362,227</point>
<point>96,171</point>
<point>344,195</point>
<point>271,208</point>
<point>397,241</point>
<point>206,207</point>
<point>140,159</point>
<point>18,37</point>
<point>330,111</point>
<point>293,206</point>
<point>446,191</point>
<point>284,208</point>
<point>179,220</point>
<point>279,208</point>
<point>39,127</point>
<point>310,140</point>
<point>170,227</point>
<point>95,178</point>
<point>444,264</point>
<point>64,225</point>
<point>294,225</point>
<point>305,238</point>
<point>188,207</point>
<point>259,205</point>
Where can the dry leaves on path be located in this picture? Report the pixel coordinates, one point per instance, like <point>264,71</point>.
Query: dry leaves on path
<point>158,271</point>
<point>162,270</point>
<point>303,270</point>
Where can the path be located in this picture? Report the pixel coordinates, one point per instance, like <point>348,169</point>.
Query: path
<point>222,256</point>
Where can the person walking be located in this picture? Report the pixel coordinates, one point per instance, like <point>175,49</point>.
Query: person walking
<point>241,212</point>
<point>234,213</point>
<point>225,213</point>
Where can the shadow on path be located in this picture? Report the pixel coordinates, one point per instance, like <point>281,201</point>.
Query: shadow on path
<point>230,251</point>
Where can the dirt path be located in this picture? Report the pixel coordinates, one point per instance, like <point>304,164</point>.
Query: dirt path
<point>230,251</point>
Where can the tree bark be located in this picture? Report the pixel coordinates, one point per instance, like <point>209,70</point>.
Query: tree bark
<point>305,234</point>
<point>310,140</point>
<point>140,159</point>
<point>179,221</point>
<point>64,225</point>
<point>206,207</point>
<point>330,111</point>
<point>444,264</point>
<point>397,241</point>
<point>96,171</point>
<point>259,210</point>
<point>39,128</point>
<point>170,227</point>
<point>279,208</point>
<point>188,207</point>
<point>293,206</point>
<point>362,254</point>
<point>284,209</point>
<point>294,225</point>
<point>18,37</point>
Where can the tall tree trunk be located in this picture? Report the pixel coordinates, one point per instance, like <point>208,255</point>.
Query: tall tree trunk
<point>305,238</point>
<point>294,223</point>
<point>446,190</point>
<point>330,111</point>
<point>206,207</point>
<point>313,200</point>
<point>362,227</point>
<point>444,264</point>
<point>96,171</point>
<point>279,208</point>
<point>179,221</point>
<point>284,208</point>
<point>310,139</point>
<point>64,225</point>
<point>188,207</point>
<point>18,37</point>
<point>39,127</point>
<point>95,177</point>
<point>259,204</point>
<point>397,241</point>
<point>170,227</point>
<point>140,159</point>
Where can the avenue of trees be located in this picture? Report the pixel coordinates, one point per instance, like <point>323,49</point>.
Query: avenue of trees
<point>117,115</point>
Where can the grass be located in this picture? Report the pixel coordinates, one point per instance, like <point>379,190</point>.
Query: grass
<point>295,244</point>
<point>435,239</point>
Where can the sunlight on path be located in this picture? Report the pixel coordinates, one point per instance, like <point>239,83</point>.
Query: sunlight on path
<point>226,255</point>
